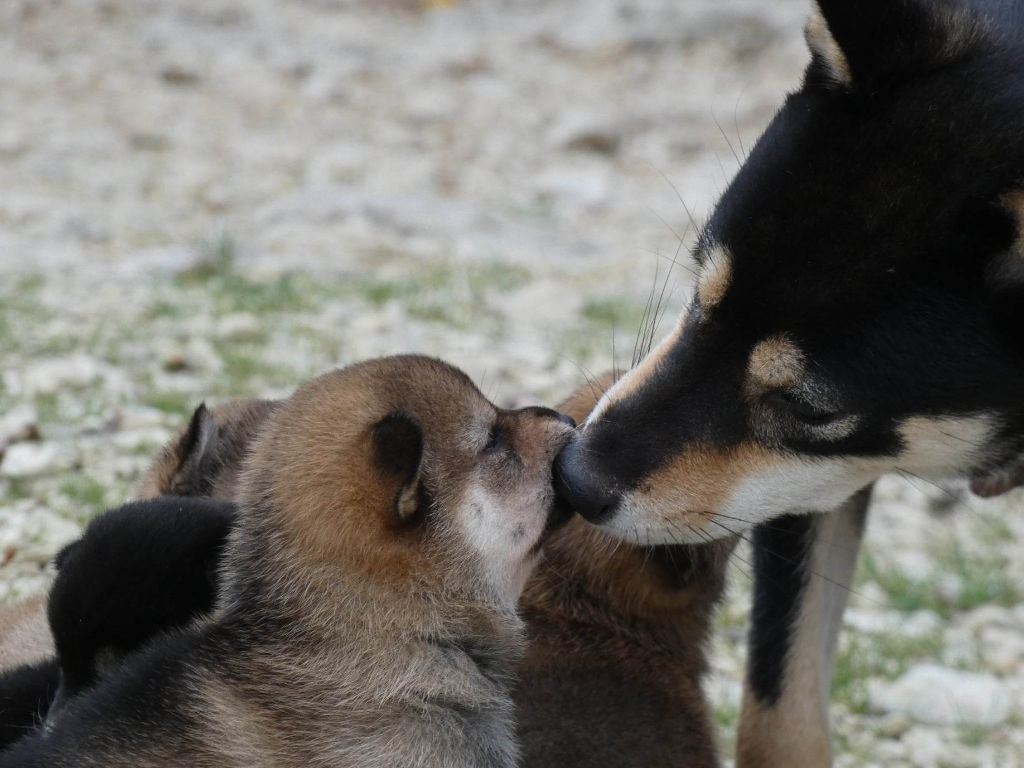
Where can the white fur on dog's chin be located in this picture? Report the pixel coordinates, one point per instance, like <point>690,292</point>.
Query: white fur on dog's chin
<point>934,448</point>
<point>490,532</point>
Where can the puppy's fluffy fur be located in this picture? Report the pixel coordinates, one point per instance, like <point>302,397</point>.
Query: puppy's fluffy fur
<point>389,520</point>
<point>144,568</point>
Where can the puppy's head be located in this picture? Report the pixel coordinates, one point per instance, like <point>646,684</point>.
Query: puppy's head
<point>139,570</point>
<point>205,459</point>
<point>400,471</point>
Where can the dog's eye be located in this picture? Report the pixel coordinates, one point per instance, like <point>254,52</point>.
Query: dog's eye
<point>495,440</point>
<point>812,415</point>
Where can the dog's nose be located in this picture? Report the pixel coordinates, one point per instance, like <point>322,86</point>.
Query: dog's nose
<point>580,486</point>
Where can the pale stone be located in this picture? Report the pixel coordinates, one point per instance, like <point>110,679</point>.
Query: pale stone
<point>32,459</point>
<point>939,696</point>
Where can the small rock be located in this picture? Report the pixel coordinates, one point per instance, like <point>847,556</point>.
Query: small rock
<point>179,73</point>
<point>959,756</point>
<point>914,625</point>
<point>925,745</point>
<point>989,616</point>
<point>940,696</point>
<point>138,439</point>
<point>894,725</point>
<point>55,374</point>
<point>588,186</point>
<point>1002,649</point>
<point>19,423</point>
<point>601,134</point>
<point>237,325</point>
<point>32,459</point>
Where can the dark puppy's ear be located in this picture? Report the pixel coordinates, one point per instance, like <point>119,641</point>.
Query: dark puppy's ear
<point>62,557</point>
<point>197,444</point>
<point>398,454</point>
<point>863,43</point>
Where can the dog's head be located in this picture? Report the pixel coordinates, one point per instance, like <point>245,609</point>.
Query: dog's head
<point>399,472</point>
<point>860,305</point>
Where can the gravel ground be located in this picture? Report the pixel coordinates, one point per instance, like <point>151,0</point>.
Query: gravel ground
<point>208,199</point>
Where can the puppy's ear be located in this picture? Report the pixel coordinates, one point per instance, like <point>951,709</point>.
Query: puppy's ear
<point>62,557</point>
<point>867,42</point>
<point>194,449</point>
<point>398,455</point>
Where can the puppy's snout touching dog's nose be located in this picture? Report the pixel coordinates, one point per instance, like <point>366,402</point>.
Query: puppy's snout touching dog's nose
<point>541,412</point>
<point>580,487</point>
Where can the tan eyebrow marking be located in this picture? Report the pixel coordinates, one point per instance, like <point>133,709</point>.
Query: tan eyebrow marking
<point>714,278</point>
<point>775,363</point>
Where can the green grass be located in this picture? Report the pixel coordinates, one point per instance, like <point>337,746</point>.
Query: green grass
<point>973,734</point>
<point>47,408</point>
<point>885,655</point>
<point>983,581</point>
<point>177,403</point>
<point>18,488</point>
<point>624,315</point>
<point>85,490</point>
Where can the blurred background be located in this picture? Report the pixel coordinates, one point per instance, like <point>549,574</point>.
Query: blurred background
<point>206,199</point>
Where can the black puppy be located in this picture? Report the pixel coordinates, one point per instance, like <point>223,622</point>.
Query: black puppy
<point>25,696</point>
<point>144,568</point>
<point>140,570</point>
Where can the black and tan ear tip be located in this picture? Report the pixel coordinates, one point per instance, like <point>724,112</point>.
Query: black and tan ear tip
<point>398,454</point>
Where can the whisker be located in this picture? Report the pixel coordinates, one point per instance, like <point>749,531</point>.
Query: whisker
<point>792,561</point>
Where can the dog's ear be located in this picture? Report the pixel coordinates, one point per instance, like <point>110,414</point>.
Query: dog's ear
<point>398,455</point>
<point>865,43</point>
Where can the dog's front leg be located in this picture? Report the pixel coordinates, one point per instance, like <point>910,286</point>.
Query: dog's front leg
<point>803,567</point>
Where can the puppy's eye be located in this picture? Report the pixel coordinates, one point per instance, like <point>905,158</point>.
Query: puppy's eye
<point>495,440</point>
<point>801,410</point>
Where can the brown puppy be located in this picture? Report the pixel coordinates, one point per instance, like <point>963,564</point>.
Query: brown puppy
<point>612,674</point>
<point>390,517</point>
<point>616,653</point>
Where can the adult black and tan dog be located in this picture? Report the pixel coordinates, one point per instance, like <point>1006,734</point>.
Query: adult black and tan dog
<point>860,310</point>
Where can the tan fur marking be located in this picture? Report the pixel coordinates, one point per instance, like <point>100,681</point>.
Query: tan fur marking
<point>714,278</point>
<point>775,363</point>
<point>824,46</point>
<point>1008,268</point>
<point>709,477</point>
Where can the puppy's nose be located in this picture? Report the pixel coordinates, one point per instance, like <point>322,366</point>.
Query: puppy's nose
<point>566,419</point>
<point>548,413</point>
<point>580,486</point>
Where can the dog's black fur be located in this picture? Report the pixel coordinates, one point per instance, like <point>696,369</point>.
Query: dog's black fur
<point>868,223</point>
<point>876,227</point>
